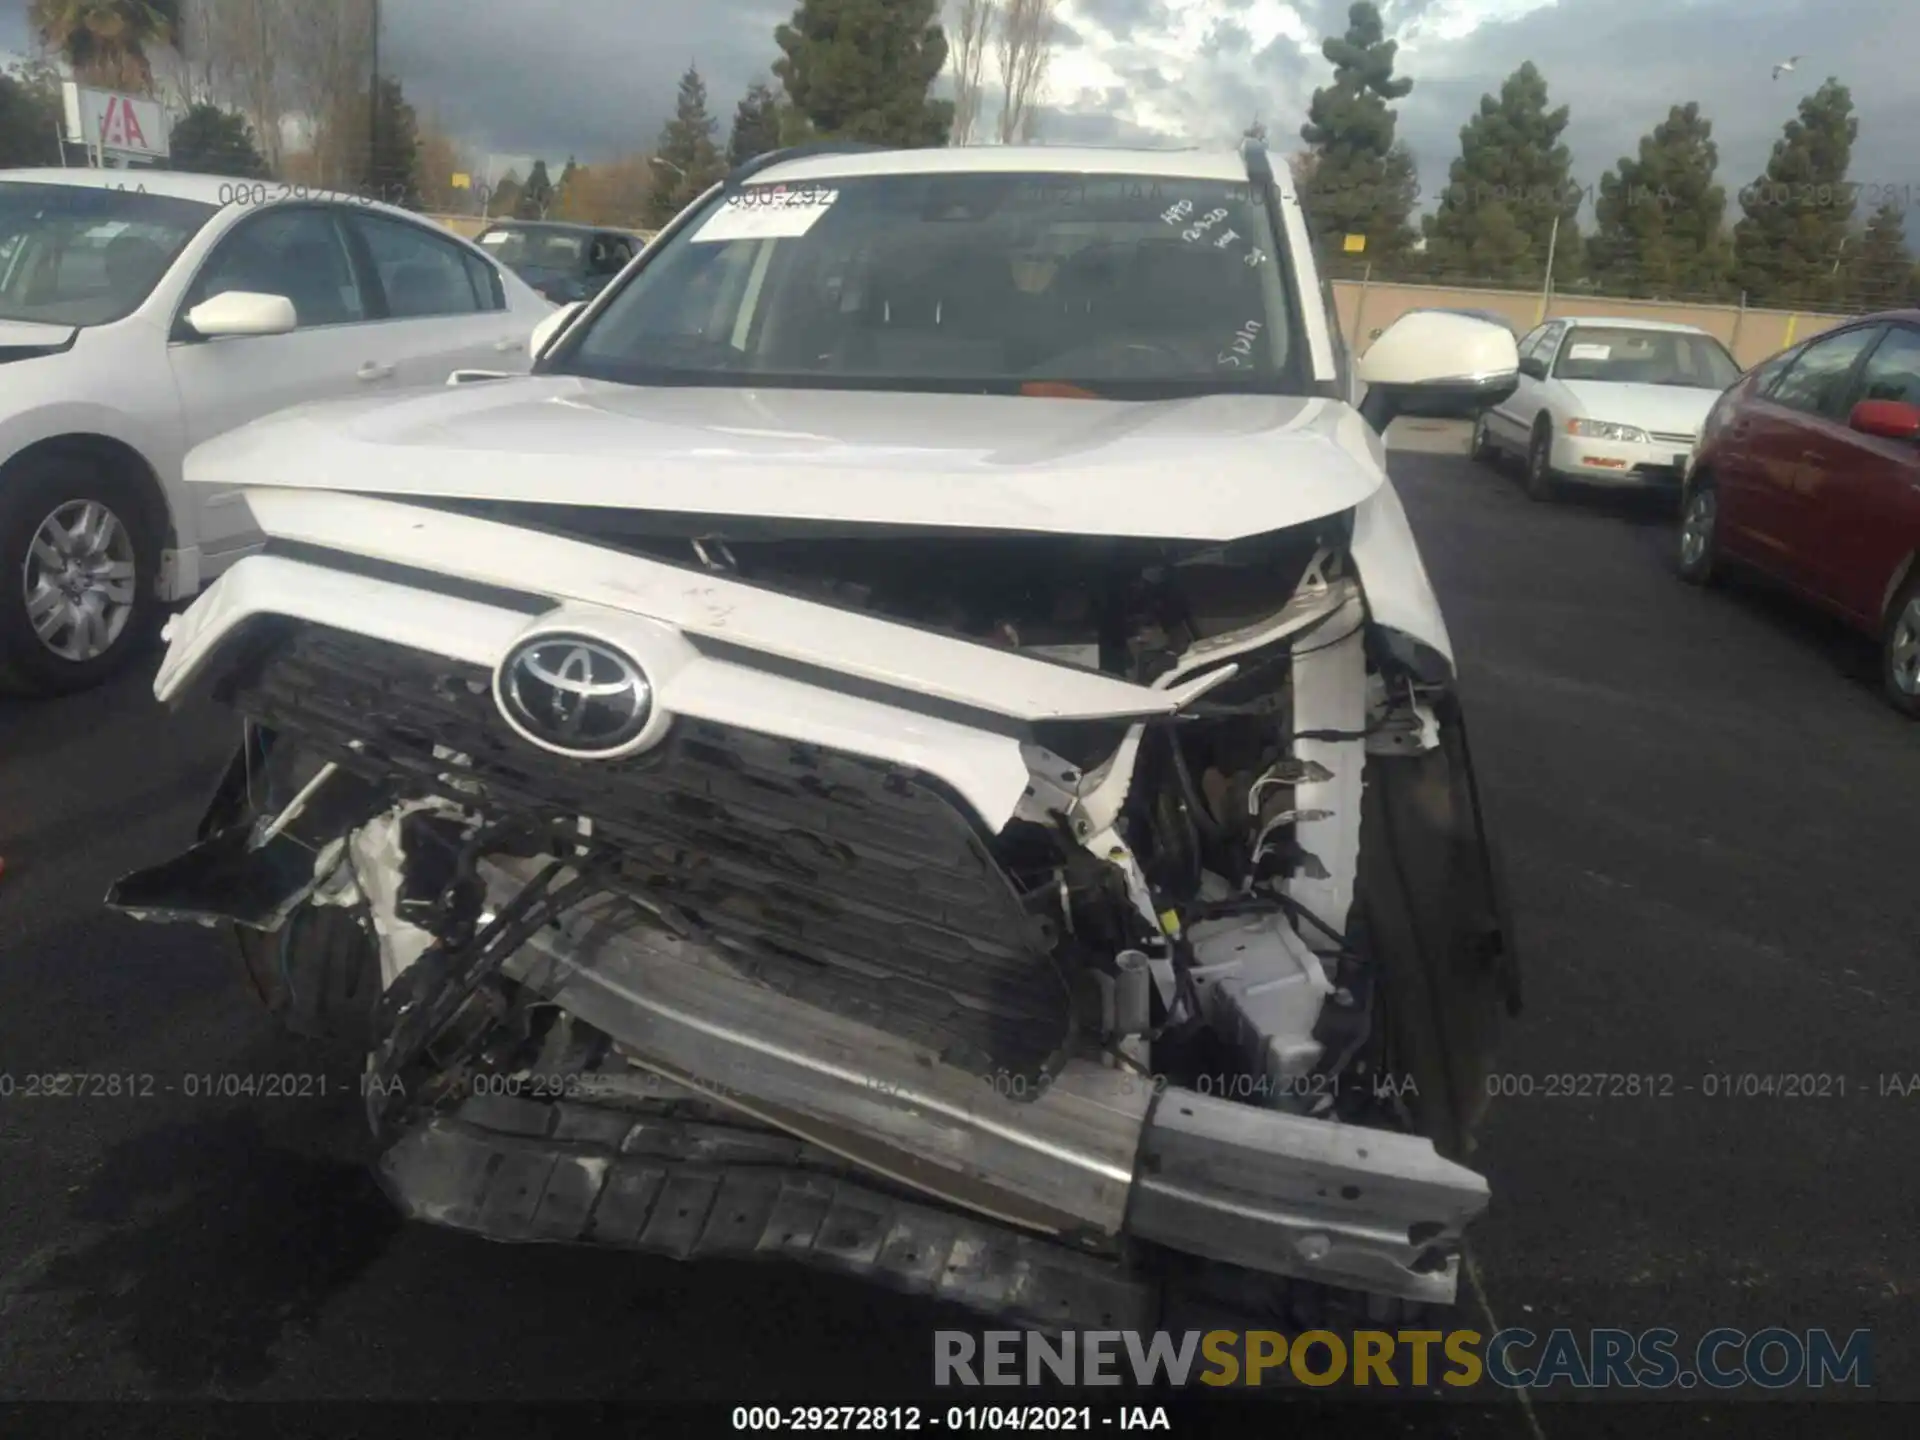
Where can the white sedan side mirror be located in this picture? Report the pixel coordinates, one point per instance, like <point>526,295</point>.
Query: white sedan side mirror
<point>548,330</point>
<point>243,312</point>
<point>1441,367</point>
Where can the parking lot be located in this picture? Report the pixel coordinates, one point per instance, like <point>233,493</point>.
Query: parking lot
<point>1708,815</point>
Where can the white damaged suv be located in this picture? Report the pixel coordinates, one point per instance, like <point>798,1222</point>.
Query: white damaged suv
<point>917,741</point>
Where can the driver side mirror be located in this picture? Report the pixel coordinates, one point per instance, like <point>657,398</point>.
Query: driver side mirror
<point>1438,367</point>
<point>548,330</point>
<point>243,312</point>
<point>1888,419</point>
<point>1534,368</point>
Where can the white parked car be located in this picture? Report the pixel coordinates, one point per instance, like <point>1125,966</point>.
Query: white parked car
<point>918,741</point>
<point>1609,402</point>
<point>142,312</point>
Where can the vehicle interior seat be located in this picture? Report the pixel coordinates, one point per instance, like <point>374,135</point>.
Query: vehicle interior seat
<point>910,324</point>
<point>133,263</point>
<point>1183,293</point>
<point>415,288</point>
<point>310,274</point>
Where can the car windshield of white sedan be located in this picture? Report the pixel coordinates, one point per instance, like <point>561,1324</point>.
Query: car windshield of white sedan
<point>86,255</point>
<point>1061,285</point>
<point>1646,357</point>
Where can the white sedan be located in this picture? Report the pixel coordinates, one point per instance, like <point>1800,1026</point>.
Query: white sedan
<point>142,312</point>
<point>1609,402</point>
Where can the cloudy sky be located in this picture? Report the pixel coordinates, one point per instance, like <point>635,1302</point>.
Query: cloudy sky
<point>597,77</point>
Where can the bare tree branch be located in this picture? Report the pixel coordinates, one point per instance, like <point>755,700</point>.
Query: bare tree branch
<point>973,27</point>
<point>330,44</point>
<point>1025,49</point>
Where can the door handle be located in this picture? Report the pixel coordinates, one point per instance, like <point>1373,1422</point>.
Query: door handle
<point>374,370</point>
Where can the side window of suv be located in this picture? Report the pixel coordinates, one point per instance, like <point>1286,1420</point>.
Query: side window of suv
<point>1816,383</point>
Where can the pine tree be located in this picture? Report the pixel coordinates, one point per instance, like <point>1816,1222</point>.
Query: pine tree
<point>1660,220</point>
<point>1357,180</point>
<point>687,158</point>
<point>570,176</point>
<point>862,70</point>
<point>213,141</point>
<point>393,159</point>
<point>1789,242</point>
<point>29,114</point>
<point>1495,219</point>
<point>1881,273</point>
<point>756,125</point>
<point>505,197</point>
<point>536,196</point>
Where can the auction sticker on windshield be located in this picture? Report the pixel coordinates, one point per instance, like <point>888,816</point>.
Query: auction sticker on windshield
<point>767,212</point>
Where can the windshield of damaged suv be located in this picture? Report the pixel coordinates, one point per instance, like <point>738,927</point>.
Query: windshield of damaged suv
<point>1051,284</point>
<point>1646,357</point>
<point>87,255</point>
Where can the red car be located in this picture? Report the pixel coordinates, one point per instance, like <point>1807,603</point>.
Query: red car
<point>1808,470</point>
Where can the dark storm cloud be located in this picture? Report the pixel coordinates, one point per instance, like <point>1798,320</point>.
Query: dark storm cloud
<point>598,78</point>
<point>595,78</point>
<point>14,34</point>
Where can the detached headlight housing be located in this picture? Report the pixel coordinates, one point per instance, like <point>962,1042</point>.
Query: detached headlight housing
<point>1607,430</point>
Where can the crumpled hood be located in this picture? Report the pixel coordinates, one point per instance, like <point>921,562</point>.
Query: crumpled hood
<point>1669,409</point>
<point>1211,468</point>
<point>26,339</point>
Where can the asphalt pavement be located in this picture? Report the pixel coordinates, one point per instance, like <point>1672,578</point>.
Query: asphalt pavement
<point>1709,820</point>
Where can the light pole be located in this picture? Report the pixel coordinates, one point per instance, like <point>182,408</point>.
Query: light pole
<point>373,104</point>
<point>1546,287</point>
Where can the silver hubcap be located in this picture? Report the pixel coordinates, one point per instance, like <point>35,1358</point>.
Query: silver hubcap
<point>1696,532</point>
<point>79,579</point>
<point>1906,649</point>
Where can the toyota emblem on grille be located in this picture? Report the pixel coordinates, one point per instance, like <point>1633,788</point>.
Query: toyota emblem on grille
<point>575,694</point>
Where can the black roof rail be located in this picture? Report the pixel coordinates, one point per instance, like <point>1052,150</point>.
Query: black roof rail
<point>1253,151</point>
<point>742,173</point>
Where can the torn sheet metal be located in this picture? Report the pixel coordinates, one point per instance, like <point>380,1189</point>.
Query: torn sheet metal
<point>1329,721</point>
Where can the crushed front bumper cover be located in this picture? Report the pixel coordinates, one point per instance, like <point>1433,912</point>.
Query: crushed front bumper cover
<point>933,1119</point>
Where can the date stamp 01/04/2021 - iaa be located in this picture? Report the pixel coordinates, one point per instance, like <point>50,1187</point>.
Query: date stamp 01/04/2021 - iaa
<point>1306,1090</point>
